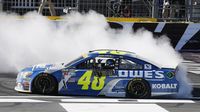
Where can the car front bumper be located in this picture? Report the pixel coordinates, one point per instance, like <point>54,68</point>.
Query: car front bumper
<point>22,88</point>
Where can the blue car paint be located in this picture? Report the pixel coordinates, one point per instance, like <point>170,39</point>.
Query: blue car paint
<point>72,88</point>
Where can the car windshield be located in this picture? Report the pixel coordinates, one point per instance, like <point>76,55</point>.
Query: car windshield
<point>79,58</point>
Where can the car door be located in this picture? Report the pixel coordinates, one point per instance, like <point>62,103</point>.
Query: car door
<point>91,76</point>
<point>82,69</point>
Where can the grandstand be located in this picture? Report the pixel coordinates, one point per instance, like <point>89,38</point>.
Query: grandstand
<point>179,10</point>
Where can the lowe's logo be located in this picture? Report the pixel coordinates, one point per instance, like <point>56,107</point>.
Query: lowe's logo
<point>149,74</point>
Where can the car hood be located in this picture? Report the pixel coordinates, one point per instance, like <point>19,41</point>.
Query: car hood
<point>44,67</point>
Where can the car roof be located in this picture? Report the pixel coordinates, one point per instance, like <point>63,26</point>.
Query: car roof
<point>112,52</point>
<point>121,53</point>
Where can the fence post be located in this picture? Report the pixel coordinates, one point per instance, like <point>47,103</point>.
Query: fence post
<point>190,10</point>
<point>155,8</point>
<point>1,5</point>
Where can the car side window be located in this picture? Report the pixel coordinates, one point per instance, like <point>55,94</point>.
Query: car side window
<point>101,63</point>
<point>128,64</point>
<point>106,62</point>
<point>105,65</point>
<point>88,64</point>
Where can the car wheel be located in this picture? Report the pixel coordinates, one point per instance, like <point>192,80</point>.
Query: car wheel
<point>138,88</point>
<point>45,84</point>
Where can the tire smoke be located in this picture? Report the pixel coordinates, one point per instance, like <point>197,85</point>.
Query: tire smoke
<point>184,88</point>
<point>35,39</point>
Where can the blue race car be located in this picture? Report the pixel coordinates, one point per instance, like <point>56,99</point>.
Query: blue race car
<point>113,73</point>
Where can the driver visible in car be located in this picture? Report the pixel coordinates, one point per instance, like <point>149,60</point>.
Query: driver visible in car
<point>110,64</point>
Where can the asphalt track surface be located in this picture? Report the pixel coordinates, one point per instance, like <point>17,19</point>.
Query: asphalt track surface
<point>12,101</point>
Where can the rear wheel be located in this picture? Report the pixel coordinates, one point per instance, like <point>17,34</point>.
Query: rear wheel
<point>138,88</point>
<point>45,84</point>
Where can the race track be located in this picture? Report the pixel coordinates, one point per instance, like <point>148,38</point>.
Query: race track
<point>12,101</point>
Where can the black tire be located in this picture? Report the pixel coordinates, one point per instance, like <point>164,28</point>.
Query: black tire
<point>45,84</point>
<point>138,88</point>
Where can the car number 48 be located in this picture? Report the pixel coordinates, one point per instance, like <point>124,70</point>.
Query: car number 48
<point>97,83</point>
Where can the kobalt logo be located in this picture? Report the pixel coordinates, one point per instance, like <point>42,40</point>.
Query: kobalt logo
<point>141,74</point>
<point>164,86</point>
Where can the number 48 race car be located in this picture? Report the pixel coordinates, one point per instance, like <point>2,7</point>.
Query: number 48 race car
<point>112,73</point>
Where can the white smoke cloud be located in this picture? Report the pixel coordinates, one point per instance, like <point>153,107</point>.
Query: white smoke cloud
<point>184,88</point>
<point>35,39</point>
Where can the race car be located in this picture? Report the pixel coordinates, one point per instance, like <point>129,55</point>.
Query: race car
<point>104,72</point>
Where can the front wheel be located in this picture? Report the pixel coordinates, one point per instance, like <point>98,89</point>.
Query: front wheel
<point>138,88</point>
<point>45,84</point>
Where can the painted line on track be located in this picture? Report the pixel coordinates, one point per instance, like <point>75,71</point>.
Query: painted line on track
<point>90,100</point>
<point>49,97</point>
<point>117,101</point>
<point>164,101</point>
<point>22,101</point>
<point>88,107</point>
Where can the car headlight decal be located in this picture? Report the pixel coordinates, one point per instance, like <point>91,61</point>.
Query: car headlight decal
<point>25,75</point>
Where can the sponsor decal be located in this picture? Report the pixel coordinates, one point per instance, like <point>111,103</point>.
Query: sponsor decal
<point>72,73</point>
<point>65,73</point>
<point>170,75</point>
<point>27,79</point>
<point>147,66</point>
<point>149,74</point>
<point>68,72</point>
<point>39,66</point>
<point>54,67</point>
<point>72,80</point>
<point>164,86</point>
<point>119,87</point>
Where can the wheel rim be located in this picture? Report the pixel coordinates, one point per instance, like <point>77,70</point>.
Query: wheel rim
<point>44,84</point>
<point>138,89</point>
